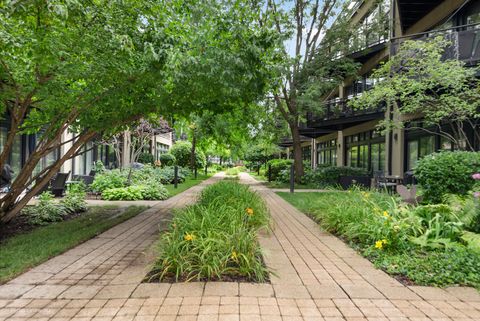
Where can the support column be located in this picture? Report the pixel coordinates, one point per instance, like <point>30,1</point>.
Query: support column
<point>314,153</point>
<point>340,149</point>
<point>398,149</point>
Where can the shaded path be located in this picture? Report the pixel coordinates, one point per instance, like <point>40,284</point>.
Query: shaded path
<point>317,277</point>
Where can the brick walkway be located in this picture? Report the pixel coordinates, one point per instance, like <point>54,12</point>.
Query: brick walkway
<point>317,277</point>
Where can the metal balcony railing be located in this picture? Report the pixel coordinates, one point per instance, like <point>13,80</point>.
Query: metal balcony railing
<point>464,42</point>
<point>339,108</point>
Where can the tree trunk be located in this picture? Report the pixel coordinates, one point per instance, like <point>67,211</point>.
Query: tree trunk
<point>297,151</point>
<point>192,154</point>
<point>11,205</point>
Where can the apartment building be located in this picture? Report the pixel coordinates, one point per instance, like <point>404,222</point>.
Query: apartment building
<point>95,151</point>
<point>345,137</point>
<point>82,164</point>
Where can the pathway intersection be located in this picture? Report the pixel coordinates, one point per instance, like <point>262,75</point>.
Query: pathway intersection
<point>317,277</point>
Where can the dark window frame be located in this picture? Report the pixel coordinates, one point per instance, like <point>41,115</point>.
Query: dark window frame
<point>366,138</point>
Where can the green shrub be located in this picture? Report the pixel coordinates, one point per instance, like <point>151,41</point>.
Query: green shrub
<point>166,175</point>
<point>74,200</point>
<point>167,159</point>
<point>447,173</point>
<point>182,150</point>
<point>277,166</point>
<point>99,167</point>
<point>325,176</point>
<point>45,211</point>
<point>108,180</point>
<point>146,158</point>
<point>216,238</point>
<point>153,190</point>
<point>200,159</point>
<point>129,193</point>
<point>234,171</point>
<point>149,191</point>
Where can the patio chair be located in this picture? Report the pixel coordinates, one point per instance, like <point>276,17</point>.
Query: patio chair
<point>409,178</point>
<point>56,185</point>
<point>381,182</point>
<point>6,176</point>
<point>86,179</point>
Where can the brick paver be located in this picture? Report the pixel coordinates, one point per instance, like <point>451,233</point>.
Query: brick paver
<point>315,277</point>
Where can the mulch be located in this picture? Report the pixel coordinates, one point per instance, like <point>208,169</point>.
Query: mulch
<point>153,277</point>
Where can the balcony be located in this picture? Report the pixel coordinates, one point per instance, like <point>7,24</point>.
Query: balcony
<point>465,44</point>
<point>337,114</point>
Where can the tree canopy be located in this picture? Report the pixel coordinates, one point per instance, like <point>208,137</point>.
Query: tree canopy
<point>92,68</point>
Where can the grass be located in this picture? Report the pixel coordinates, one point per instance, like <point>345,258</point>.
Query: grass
<point>422,245</point>
<point>189,182</point>
<point>24,251</point>
<point>216,238</point>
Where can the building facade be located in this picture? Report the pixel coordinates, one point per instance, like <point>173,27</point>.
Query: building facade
<point>344,137</point>
<point>82,164</point>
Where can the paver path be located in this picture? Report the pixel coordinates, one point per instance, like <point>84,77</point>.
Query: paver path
<point>317,277</point>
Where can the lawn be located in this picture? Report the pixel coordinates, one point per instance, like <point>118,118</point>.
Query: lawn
<point>424,244</point>
<point>189,182</point>
<point>24,251</point>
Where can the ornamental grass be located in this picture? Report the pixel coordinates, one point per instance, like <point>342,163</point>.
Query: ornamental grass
<point>216,238</point>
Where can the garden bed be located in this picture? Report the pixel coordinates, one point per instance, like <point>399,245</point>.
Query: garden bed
<point>215,239</point>
<point>146,183</point>
<point>423,245</point>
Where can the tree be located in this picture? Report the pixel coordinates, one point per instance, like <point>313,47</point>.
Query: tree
<point>139,136</point>
<point>71,67</point>
<point>317,63</point>
<point>420,82</point>
<point>93,68</point>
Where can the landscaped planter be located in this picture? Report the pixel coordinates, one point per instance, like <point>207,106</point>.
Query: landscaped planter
<point>347,181</point>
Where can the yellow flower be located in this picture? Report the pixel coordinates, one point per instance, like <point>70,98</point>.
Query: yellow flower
<point>249,211</point>
<point>234,255</point>
<point>380,244</point>
<point>385,214</point>
<point>189,237</point>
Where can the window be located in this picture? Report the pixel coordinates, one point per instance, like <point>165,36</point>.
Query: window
<point>327,153</point>
<point>16,154</point>
<point>83,163</point>
<point>366,150</point>
<point>307,153</point>
<point>161,149</point>
<point>418,148</point>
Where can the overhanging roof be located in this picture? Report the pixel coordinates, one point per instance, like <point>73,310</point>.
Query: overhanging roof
<point>288,142</point>
<point>411,11</point>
